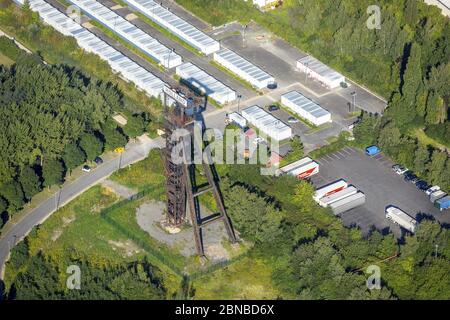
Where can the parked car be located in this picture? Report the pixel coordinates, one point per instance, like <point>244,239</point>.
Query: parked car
<point>293,120</point>
<point>410,177</point>
<point>86,168</point>
<point>98,160</point>
<point>272,85</point>
<point>258,140</point>
<point>432,189</point>
<point>399,169</point>
<point>422,185</point>
<point>344,84</point>
<point>273,108</point>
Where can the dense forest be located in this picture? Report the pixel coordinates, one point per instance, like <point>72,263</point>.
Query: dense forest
<point>53,119</point>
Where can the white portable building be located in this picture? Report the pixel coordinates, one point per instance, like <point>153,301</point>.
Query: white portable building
<point>305,108</point>
<point>129,32</point>
<point>320,72</point>
<point>176,25</point>
<point>205,83</point>
<point>267,123</point>
<point>344,193</point>
<point>237,119</point>
<point>129,70</point>
<point>243,68</point>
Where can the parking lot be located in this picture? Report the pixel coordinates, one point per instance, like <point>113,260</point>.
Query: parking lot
<point>382,187</point>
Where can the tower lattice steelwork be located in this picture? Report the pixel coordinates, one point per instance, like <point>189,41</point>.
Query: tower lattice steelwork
<point>182,189</point>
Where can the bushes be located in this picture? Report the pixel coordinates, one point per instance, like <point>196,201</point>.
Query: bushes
<point>9,48</point>
<point>440,132</point>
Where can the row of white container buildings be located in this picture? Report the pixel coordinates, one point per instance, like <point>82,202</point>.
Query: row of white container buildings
<point>305,108</point>
<point>268,124</point>
<point>120,63</point>
<point>205,83</point>
<point>176,25</point>
<point>339,197</point>
<point>128,31</point>
<point>320,72</point>
<point>243,68</point>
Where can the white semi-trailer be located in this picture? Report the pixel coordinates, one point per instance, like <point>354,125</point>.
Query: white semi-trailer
<point>401,218</point>
<point>330,189</point>
<point>348,203</point>
<point>301,169</point>
<point>344,193</point>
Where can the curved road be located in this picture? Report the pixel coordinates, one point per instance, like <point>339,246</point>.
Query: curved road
<point>133,152</point>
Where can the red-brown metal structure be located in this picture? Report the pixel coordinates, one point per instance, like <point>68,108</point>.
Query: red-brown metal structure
<point>181,181</point>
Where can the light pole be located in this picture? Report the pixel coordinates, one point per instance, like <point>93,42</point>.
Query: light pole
<point>239,100</point>
<point>353,94</point>
<point>243,35</point>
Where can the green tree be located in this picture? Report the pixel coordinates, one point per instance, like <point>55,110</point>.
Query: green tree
<point>30,182</point>
<point>135,126</point>
<point>12,192</point>
<point>91,145</point>
<point>113,138</point>
<point>73,156</point>
<point>52,172</point>
<point>436,167</point>
<point>421,159</point>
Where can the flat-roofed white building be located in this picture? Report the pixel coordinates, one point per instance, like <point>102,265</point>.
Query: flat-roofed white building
<point>128,69</point>
<point>320,72</point>
<point>267,123</point>
<point>243,68</point>
<point>129,32</point>
<point>205,83</point>
<point>305,108</point>
<point>176,25</point>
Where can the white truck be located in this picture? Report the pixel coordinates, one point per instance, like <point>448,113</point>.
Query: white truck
<point>344,193</point>
<point>330,189</point>
<point>301,169</point>
<point>401,218</point>
<point>348,203</point>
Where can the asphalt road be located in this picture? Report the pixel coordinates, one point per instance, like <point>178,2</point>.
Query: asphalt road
<point>133,152</point>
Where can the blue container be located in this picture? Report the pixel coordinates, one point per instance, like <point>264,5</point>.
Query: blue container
<point>372,150</point>
<point>443,203</point>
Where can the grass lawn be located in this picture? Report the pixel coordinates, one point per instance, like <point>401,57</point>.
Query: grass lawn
<point>5,60</point>
<point>423,138</point>
<point>144,174</point>
<point>247,278</point>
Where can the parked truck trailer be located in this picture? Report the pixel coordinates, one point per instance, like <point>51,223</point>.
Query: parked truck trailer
<point>344,193</point>
<point>401,218</point>
<point>302,169</point>
<point>437,195</point>
<point>330,189</point>
<point>348,203</point>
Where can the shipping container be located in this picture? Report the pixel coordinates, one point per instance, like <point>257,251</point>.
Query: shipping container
<point>344,193</point>
<point>372,150</point>
<point>443,203</point>
<point>401,218</point>
<point>346,204</point>
<point>330,189</point>
<point>437,195</point>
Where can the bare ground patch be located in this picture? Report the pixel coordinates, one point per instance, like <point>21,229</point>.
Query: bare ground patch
<point>128,248</point>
